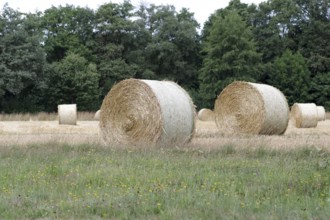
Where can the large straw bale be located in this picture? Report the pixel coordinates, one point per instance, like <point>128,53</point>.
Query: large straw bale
<point>320,113</point>
<point>97,115</point>
<point>251,108</point>
<point>304,115</point>
<point>67,114</point>
<point>205,114</point>
<point>148,113</point>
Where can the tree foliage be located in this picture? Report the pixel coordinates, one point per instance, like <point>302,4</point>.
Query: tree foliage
<point>290,74</point>
<point>21,60</point>
<point>73,80</point>
<point>73,54</point>
<point>68,28</point>
<point>113,42</point>
<point>173,50</point>
<point>230,55</point>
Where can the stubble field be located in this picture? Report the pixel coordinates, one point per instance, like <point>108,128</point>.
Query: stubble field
<point>60,171</point>
<point>206,135</point>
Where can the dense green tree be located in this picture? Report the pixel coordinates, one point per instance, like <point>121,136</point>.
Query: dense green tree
<point>70,54</point>
<point>173,50</point>
<point>290,74</point>
<point>73,80</point>
<point>22,61</point>
<point>247,12</point>
<point>320,90</point>
<point>314,44</point>
<point>114,40</point>
<point>230,55</point>
<point>141,37</point>
<point>276,28</point>
<point>68,28</point>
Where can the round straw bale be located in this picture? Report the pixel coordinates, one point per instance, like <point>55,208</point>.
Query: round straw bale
<point>205,114</point>
<point>251,108</point>
<point>147,113</point>
<point>97,115</point>
<point>67,114</point>
<point>304,115</point>
<point>320,113</point>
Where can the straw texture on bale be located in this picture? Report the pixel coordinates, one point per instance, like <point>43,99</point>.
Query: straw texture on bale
<point>304,115</point>
<point>251,108</point>
<point>97,115</point>
<point>148,113</point>
<point>320,113</point>
<point>67,114</point>
<point>205,114</point>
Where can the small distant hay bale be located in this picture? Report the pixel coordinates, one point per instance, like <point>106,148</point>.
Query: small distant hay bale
<point>147,113</point>
<point>304,115</point>
<point>97,115</point>
<point>205,115</point>
<point>67,114</point>
<point>251,108</point>
<point>320,113</point>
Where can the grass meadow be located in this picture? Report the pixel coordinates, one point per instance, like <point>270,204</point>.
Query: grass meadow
<point>60,181</point>
<point>51,171</point>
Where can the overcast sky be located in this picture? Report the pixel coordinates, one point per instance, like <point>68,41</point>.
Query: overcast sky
<point>201,8</point>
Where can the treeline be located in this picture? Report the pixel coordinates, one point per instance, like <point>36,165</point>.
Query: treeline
<point>70,54</point>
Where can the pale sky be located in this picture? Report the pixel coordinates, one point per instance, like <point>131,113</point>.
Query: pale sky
<point>201,8</point>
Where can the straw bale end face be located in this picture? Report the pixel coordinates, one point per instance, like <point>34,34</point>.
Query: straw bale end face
<point>304,115</point>
<point>97,115</point>
<point>146,113</point>
<point>251,108</point>
<point>67,114</point>
<point>321,115</point>
<point>205,114</point>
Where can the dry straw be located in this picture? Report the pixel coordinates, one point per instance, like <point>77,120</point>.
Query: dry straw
<point>148,113</point>
<point>304,115</point>
<point>205,114</point>
<point>67,114</point>
<point>320,113</point>
<point>244,107</point>
<point>97,115</point>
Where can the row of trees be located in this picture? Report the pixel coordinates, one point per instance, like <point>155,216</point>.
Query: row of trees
<point>71,54</point>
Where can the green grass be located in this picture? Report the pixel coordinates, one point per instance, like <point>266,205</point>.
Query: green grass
<point>93,182</point>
